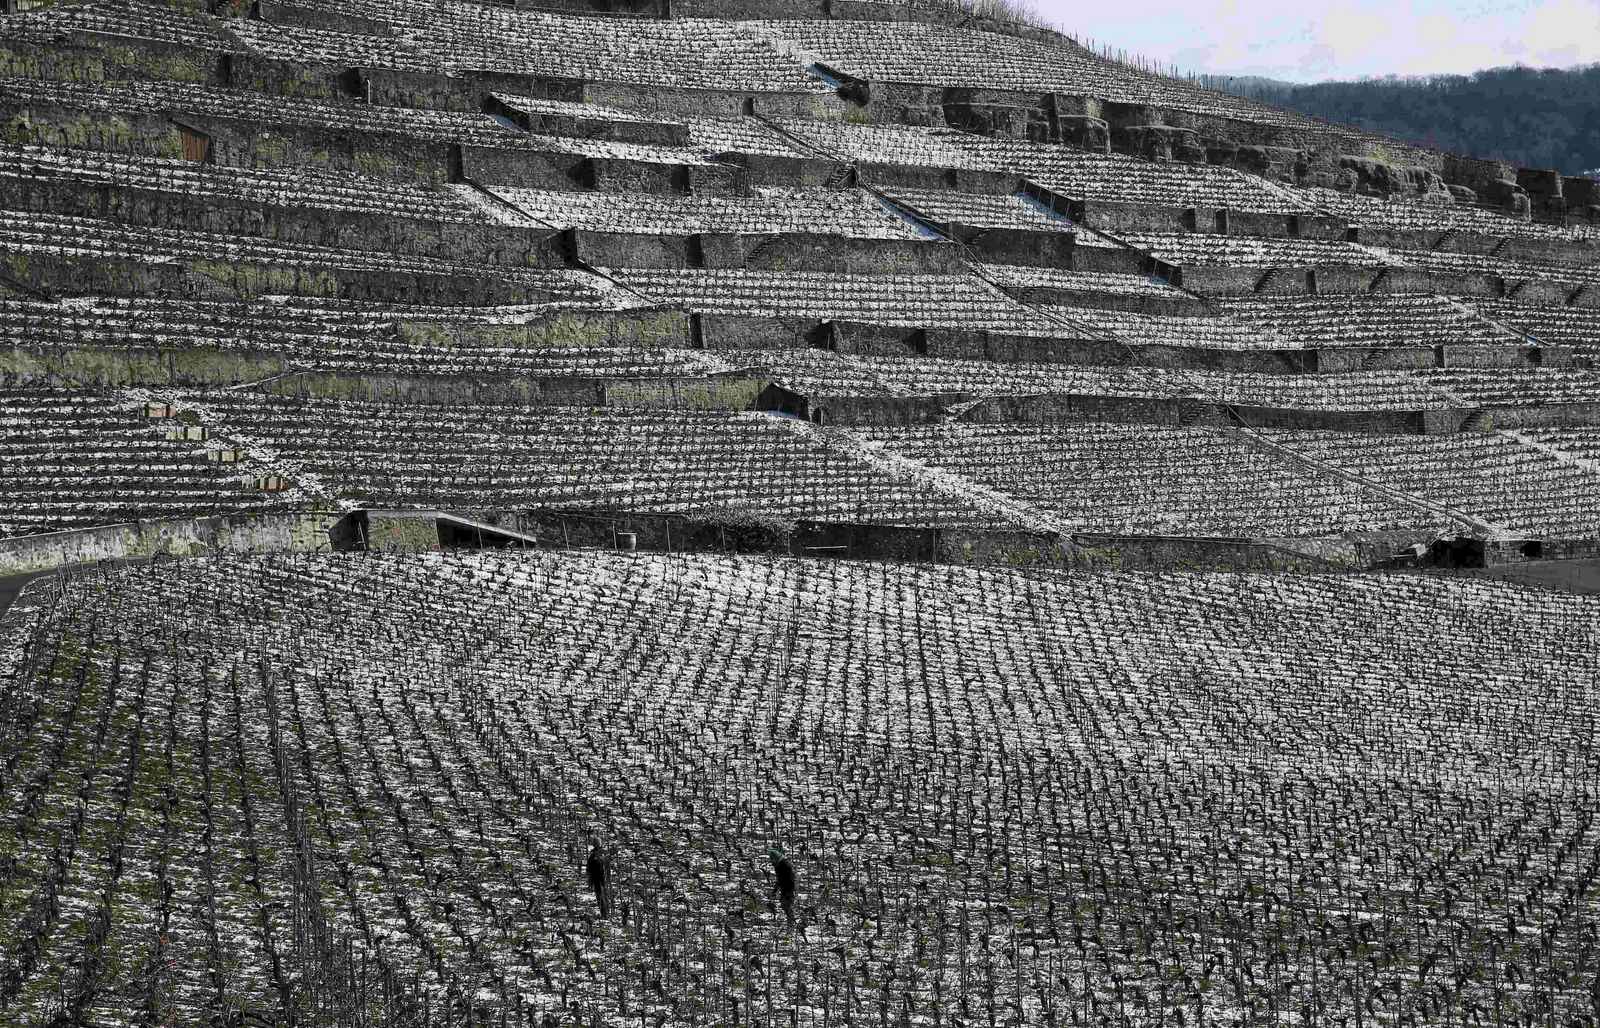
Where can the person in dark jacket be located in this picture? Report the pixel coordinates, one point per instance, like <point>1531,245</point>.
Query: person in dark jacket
<point>598,870</point>
<point>784,885</point>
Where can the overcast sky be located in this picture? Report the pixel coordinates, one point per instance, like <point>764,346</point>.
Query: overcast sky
<point>1289,39</point>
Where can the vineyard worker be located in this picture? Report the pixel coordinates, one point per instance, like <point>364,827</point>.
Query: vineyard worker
<point>785,880</point>
<point>598,870</point>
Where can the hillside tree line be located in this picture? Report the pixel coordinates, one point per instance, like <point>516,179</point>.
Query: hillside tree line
<point>1533,117</point>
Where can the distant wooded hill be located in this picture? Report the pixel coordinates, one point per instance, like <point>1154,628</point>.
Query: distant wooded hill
<point>1535,118</point>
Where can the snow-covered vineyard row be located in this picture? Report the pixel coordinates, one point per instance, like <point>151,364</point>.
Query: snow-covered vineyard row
<point>1150,480</point>
<point>58,237</point>
<point>70,460</point>
<point>1397,212</point>
<point>22,167</point>
<point>1498,478</point>
<point>1509,268</point>
<point>845,212</point>
<point>911,300</point>
<point>907,376</point>
<point>1371,320</point>
<point>1114,178</point>
<point>251,786</point>
<point>1552,324</point>
<point>75,459</point>
<point>440,37</point>
<point>1216,482</point>
<point>1053,304</point>
<point>132,98</point>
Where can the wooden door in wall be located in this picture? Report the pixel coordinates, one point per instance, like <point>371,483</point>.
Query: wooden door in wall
<point>196,145</point>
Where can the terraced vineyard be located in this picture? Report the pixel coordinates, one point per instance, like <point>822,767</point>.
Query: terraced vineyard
<point>495,490</point>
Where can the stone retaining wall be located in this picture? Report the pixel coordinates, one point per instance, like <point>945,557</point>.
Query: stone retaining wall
<point>568,528</point>
<point>732,391</point>
<point>99,367</point>
<point>320,226</point>
<point>238,533</point>
<point>199,278</point>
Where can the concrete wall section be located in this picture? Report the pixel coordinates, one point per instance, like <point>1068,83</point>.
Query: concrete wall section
<point>1511,355</point>
<point>965,180</point>
<point>1269,362</point>
<point>862,339</point>
<point>1117,260</point>
<point>1217,280</point>
<point>979,344</point>
<point>1134,217</point>
<point>636,250</point>
<point>1466,284</point>
<point>1042,248</point>
<point>779,170</point>
<point>740,332</point>
<point>726,391</point>
<point>528,169</point>
<point>1382,422</point>
<point>857,410</point>
<point>790,250</point>
<point>596,126</point>
<point>436,90</point>
<point>1541,291</point>
<point>621,175</point>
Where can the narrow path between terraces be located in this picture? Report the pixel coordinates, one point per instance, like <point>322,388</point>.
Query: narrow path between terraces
<point>11,586</point>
